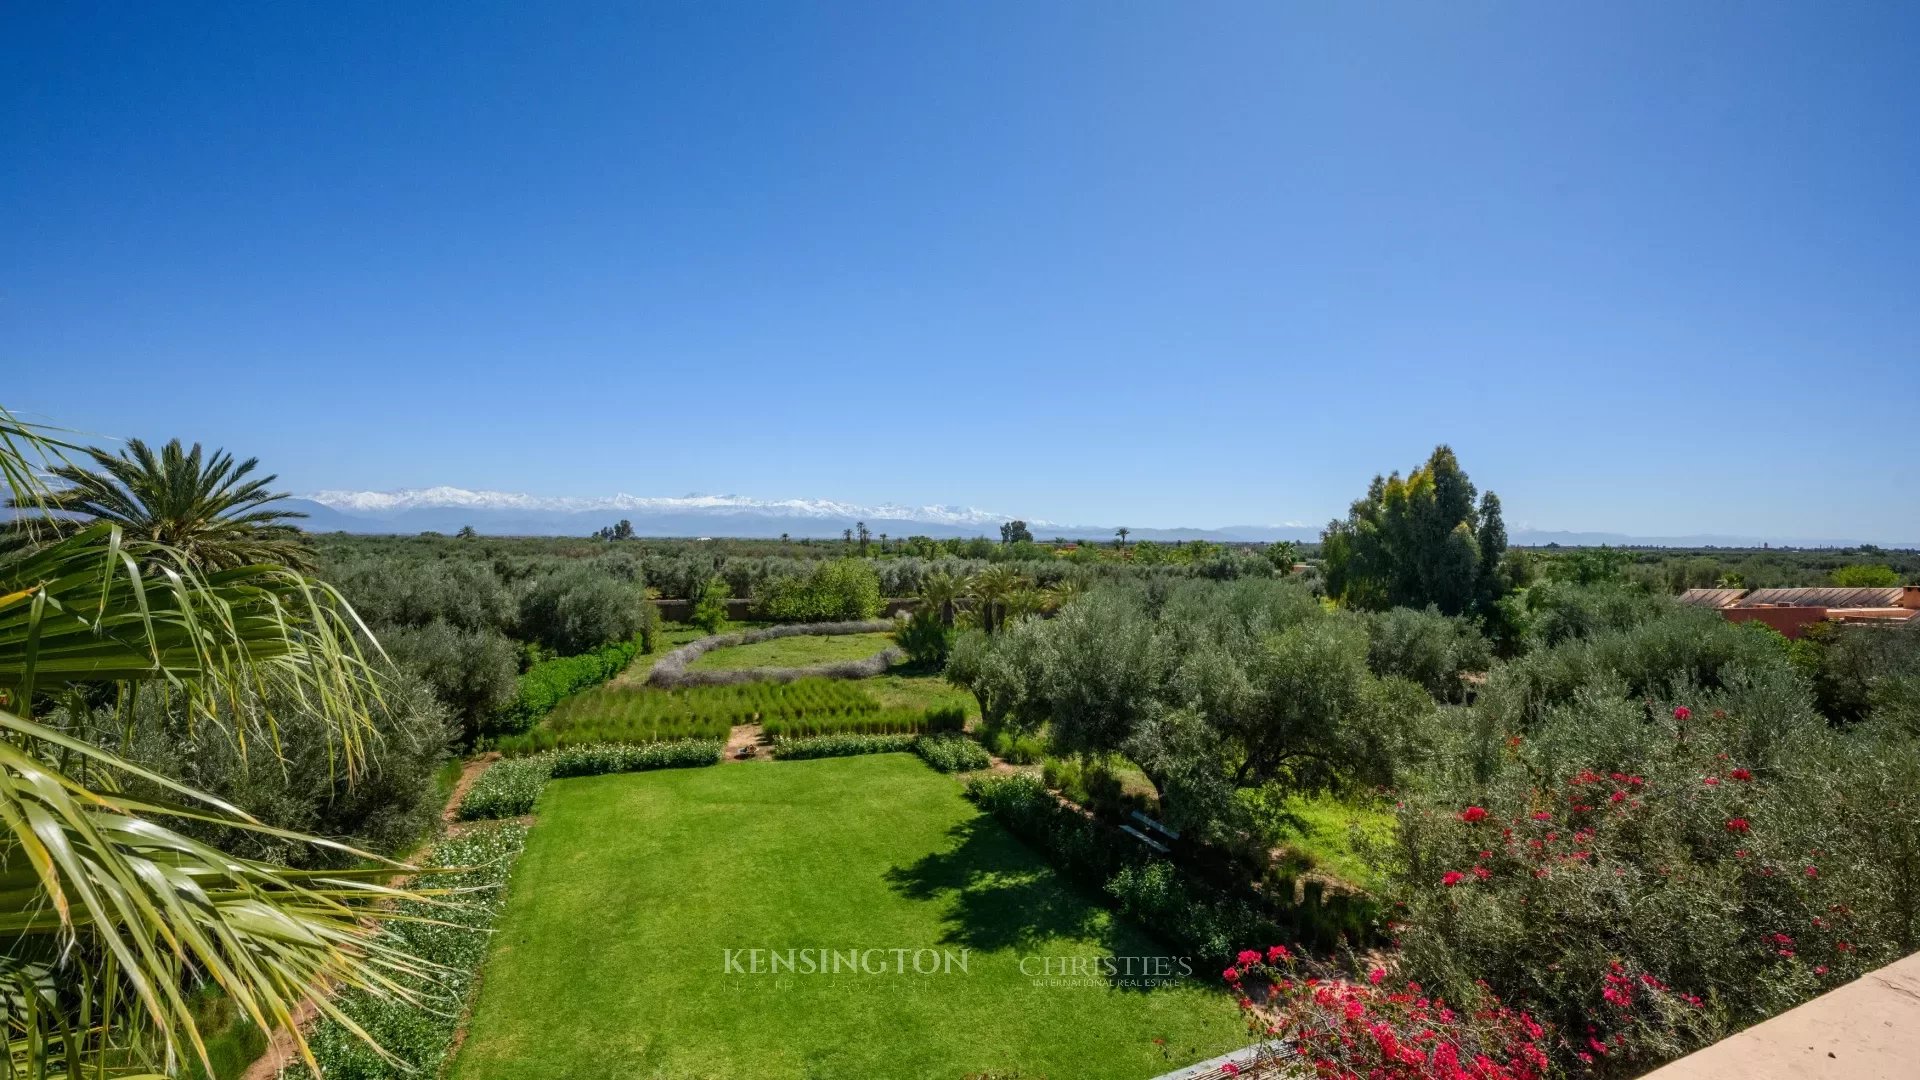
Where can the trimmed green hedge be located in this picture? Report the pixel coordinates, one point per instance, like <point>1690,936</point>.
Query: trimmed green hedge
<point>511,787</point>
<point>819,746</point>
<point>549,682</point>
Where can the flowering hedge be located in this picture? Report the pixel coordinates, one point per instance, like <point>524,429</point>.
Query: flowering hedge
<point>1311,1021</point>
<point>1653,876</point>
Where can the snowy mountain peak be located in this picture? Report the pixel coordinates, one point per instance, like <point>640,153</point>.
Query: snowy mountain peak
<point>443,497</point>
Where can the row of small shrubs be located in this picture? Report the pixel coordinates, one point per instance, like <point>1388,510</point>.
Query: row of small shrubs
<point>638,714</point>
<point>952,752</point>
<point>844,745</point>
<point>1181,909</point>
<point>451,941</point>
<point>511,787</point>
<point>1015,748</point>
<point>549,682</point>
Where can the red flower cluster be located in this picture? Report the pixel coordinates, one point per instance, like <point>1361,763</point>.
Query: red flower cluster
<point>1473,815</point>
<point>1343,1029</point>
<point>1738,825</point>
<point>1682,713</point>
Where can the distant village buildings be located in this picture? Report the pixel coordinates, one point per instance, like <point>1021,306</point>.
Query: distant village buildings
<point>1791,611</point>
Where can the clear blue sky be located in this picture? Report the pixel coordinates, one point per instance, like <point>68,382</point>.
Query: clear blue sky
<point>1651,268</point>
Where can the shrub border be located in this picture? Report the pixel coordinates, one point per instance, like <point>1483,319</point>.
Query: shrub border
<point>670,671</point>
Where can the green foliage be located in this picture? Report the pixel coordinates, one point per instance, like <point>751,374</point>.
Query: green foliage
<point>548,683</point>
<point>1208,688</point>
<point>580,607</point>
<point>925,638</point>
<point>453,938</point>
<point>1176,907</point>
<point>1568,611</point>
<point>952,752</point>
<point>1419,542</point>
<point>843,590</point>
<point>1427,648</point>
<point>1729,845</point>
<point>1866,576</point>
<point>204,509</point>
<point>510,787</point>
<point>842,745</point>
<point>630,713</point>
<point>289,778</point>
<point>1682,648</point>
<point>1014,747</point>
<point>710,608</point>
<point>1861,670</point>
<point>1015,532</point>
<point>471,671</point>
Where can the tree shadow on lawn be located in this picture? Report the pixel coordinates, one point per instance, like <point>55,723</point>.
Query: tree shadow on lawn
<point>1005,897</point>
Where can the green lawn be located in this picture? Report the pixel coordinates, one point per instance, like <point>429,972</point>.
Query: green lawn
<point>611,958</point>
<point>801,650</point>
<point>1322,830</point>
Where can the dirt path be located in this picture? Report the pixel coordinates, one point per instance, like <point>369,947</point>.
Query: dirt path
<point>468,774</point>
<point>744,744</point>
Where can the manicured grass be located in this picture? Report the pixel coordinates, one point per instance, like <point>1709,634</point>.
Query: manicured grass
<point>801,650</point>
<point>611,957</point>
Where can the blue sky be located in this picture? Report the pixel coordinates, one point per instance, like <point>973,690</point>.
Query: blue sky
<point>1651,268</point>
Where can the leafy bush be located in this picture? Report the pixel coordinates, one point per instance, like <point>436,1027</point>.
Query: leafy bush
<point>549,682</point>
<point>952,753</point>
<point>925,638</point>
<point>507,789</point>
<point>579,608</point>
<point>1014,748</point>
<point>1566,611</point>
<point>843,590</point>
<point>472,671</point>
<point>823,746</point>
<point>1664,874</point>
<point>1427,648</point>
<point>297,784</point>
<point>710,607</point>
<point>452,937</point>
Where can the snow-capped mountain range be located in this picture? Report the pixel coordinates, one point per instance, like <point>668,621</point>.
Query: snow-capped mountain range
<point>447,509</point>
<point>394,502</point>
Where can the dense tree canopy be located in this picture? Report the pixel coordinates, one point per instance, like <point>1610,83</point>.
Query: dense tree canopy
<point>1419,542</point>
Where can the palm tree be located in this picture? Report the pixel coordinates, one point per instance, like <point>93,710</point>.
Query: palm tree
<point>202,507</point>
<point>1120,535</point>
<point>989,590</point>
<point>938,593</point>
<point>107,917</point>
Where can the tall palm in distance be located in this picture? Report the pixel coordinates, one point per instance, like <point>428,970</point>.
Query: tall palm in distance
<point>202,506</point>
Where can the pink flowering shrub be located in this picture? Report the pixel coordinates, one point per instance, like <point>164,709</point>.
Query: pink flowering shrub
<point>1648,877</point>
<point>1312,1021</point>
